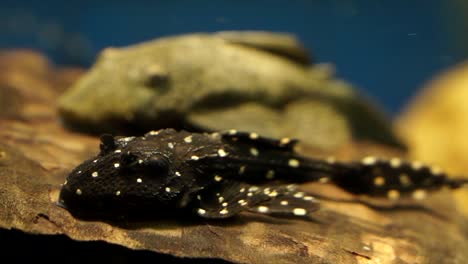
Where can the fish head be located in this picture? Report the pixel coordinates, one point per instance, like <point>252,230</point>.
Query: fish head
<point>112,94</point>
<point>123,178</point>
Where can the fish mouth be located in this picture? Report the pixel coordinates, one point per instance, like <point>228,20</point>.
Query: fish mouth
<point>83,123</point>
<point>60,203</point>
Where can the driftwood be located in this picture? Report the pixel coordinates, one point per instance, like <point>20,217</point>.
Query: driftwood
<point>36,153</point>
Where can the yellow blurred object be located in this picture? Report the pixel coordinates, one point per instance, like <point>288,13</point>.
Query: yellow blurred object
<point>435,125</point>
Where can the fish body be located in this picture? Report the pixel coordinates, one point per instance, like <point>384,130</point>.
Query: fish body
<point>219,175</point>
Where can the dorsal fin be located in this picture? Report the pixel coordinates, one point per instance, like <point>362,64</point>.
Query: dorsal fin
<point>254,139</point>
<point>281,44</point>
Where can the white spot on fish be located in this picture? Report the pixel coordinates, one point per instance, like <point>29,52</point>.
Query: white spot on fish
<point>224,211</point>
<point>436,170</point>
<point>117,193</point>
<point>308,198</point>
<point>201,211</point>
<point>324,180</point>
<point>395,163</point>
<point>293,163</point>
<point>419,194</point>
<point>116,165</point>
<point>195,157</point>
<point>241,170</point>
<point>178,174</point>
<point>167,189</point>
<point>139,180</point>
<point>95,161</point>
<point>232,132</point>
<point>284,141</point>
<point>416,165</point>
<point>153,133</point>
<point>218,178</point>
<point>284,202</point>
<point>370,160</point>
<point>95,174</point>
<point>220,199</point>
<point>299,195</point>
<point>263,209</point>
<point>253,135</point>
<point>170,145</point>
<point>254,152</point>
<point>222,153</point>
<point>299,211</point>
<point>188,139</point>
<point>127,139</point>
<point>242,190</point>
<point>140,161</point>
<point>393,194</point>
<point>253,188</point>
<point>405,179</point>
<point>118,151</point>
<point>224,204</point>
<point>78,192</point>
<point>273,193</point>
<point>379,181</point>
<point>270,174</point>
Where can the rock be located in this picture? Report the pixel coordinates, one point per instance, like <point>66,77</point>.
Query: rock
<point>220,81</point>
<point>29,83</point>
<point>36,153</point>
<point>435,124</point>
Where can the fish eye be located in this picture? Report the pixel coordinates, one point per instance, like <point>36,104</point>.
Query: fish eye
<point>156,77</point>
<point>157,164</point>
<point>157,80</point>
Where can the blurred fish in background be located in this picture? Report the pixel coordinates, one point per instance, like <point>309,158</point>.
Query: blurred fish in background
<point>388,49</point>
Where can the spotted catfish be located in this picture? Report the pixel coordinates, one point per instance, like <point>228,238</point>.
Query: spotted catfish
<point>222,174</point>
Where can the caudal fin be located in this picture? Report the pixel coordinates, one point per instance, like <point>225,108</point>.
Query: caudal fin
<point>392,178</point>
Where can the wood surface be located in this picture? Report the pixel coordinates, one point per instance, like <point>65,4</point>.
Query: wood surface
<point>37,152</point>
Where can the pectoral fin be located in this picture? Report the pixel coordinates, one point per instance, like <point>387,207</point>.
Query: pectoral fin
<point>231,198</point>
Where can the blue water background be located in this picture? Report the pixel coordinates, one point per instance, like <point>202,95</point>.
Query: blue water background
<point>388,49</point>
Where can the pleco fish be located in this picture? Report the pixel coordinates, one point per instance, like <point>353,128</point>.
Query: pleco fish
<point>219,175</point>
<point>248,80</point>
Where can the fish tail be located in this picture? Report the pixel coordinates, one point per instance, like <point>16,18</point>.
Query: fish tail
<point>386,177</point>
